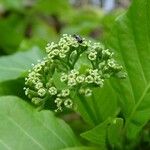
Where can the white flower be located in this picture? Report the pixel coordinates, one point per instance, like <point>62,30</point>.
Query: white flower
<point>62,54</point>
<point>50,55</point>
<point>65,92</point>
<point>68,103</point>
<point>88,92</point>
<point>49,47</point>
<point>55,51</point>
<point>63,77</point>
<point>26,91</point>
<point>71,82</point>
<point>65,48</point>
<point>89,79</point>
<point>58,102</point>
<point>71,76</point>
<point>62,41</point>
<point>106,53</point>
<point>39,85</point>
<point>80,78</point>
<point>92,56</point>
<point>93,72</point>
<point>52,90</point>
<point>98,81</point>
<point>74,71</point>
<point>111,63</point>
<point>41,92</point>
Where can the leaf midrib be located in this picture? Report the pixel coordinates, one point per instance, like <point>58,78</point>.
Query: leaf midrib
<point>5,145</point>
<point>137,104</point>
<point>54,133</point>
<point>26,133</point>
<point>144,77</point>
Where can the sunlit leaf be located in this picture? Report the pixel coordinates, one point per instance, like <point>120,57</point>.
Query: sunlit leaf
<point>23,127</point>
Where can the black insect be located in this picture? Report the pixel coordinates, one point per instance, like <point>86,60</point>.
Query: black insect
<point>78,38</point>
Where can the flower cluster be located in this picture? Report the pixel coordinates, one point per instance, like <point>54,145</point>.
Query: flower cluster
<point>64,59</point>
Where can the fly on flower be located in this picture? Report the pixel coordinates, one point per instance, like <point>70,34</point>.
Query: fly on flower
<point>78,38</point>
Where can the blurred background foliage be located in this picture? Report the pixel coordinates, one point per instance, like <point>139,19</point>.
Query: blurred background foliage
<point>28,23</point>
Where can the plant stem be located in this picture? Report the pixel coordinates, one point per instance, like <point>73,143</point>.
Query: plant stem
<point>88,109</point>
<point>97,113</point>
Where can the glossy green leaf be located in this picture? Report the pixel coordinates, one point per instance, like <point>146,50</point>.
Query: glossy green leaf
<point>131,39</point>
<point>14,66</point>
<point>23,127</point>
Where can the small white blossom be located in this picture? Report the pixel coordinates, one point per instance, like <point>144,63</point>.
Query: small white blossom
<point>41,92</point>
<point>98,81</point>
<point>39,85</point>
<point>65,92</point>
<point>26,91</point>
<point>52,90</point>
<point>62,54</point>
<point>111,63</point>
<point>81,90</point>
<point>92,56</point>
<point>55,51</point>
<point>93,72</point>
<point>106,53</point>
<point>63,77</point>
<point>71,76</point>
<point>89,79</point>
<point>68,103</point>
<point>50,47</point>
<point>65,48</point>
<point>50,55</point>
<point>80,78</point>
<point>72,82</point>
<point>88,92</point>
<point>74,71</point>
<point>58,102</point>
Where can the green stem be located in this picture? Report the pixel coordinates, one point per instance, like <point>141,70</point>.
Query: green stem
<point>88,109</point>
<point>95,106</point>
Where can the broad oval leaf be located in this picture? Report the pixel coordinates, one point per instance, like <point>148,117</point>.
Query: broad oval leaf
<point>13,66</point>
<point>22,127</point>
<point>131,39</point>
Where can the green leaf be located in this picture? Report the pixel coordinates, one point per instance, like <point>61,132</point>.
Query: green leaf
<point>107,133</point>
<point>12,87</point>
<point>81,148</point>
<point>14,66</point>
<point>98,134</point>
<point>131,39</point>
<point>114,133</point>
<point>10,42</point>
<point>23,127</point>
